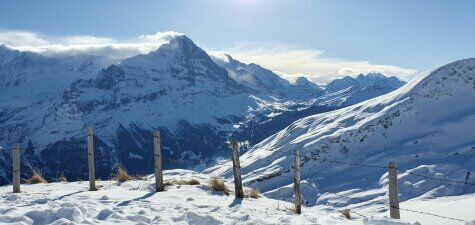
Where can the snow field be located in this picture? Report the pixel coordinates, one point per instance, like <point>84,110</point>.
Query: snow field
<point>135,202</point>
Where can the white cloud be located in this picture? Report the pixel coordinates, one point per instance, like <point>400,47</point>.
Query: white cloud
<point>292,62</point>
<point>70,45</point>
<point>88,40</point>
<point>20,38</point>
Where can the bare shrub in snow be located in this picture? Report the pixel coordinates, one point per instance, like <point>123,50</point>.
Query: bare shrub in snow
<point>192,181</point>
<point>252,193</point>
<point>120,174</point>
<point>36,176</point>
<point>217,184</point>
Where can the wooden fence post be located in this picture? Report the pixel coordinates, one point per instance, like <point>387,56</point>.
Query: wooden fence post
<point>158,162</point>
<point>393,192</point>
<point>90,158</point>
<point>298,196</point>
<point>16,168</point>
<point>237,169</point>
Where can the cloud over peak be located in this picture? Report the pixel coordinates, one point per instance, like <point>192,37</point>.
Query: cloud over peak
<point>71,45</point>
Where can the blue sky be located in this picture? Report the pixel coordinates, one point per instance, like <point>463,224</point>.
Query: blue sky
<point>323,39</point>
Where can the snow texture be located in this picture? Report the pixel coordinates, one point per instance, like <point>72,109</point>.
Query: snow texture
<point>135,202</point>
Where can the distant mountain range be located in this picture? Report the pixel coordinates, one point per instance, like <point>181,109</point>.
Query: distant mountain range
<point>195,99</point>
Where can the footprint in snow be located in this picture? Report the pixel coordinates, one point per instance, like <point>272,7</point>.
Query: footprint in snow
<point>40,201</point>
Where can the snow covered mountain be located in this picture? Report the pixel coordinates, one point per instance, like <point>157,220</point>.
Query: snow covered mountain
<point>426,127</point>
<point>48,101</point>
<point>264,81</point>
<point>304,98</point>
<point>27,78</point>
<point>176,88</point>
<point>348,90</point>
<point>19,67</point>
<point>338,94</point>
<point>364,81</point>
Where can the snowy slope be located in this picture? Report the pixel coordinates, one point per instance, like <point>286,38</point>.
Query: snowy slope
<point>20,67</point>
<point>27,77</point>
<point>135,202</point>
<point>268,122</point>
<point>426,127</point>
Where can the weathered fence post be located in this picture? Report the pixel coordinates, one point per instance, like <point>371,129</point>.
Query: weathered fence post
<point>298,196</point>
<point>90,158</point>
<point>393,192</point>
<point>158,162</point>
<point>237,169</point>
<point>16,168</point>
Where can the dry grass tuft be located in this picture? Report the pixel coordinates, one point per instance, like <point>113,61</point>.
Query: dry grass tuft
<point>62,178</point>
<point>192,181</point>
<point>346,213</point>
<point>252,193</point>
<point>36,177</point>
<point>217,184</point>
<point>121,175</point>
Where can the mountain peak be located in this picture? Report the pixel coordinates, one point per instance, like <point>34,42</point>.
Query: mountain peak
<point>365,80</point>
<point>179,42</point>
<point>342,83</point>
<point>371,77</point>
<point>180,59</point>
<point>373,74</point>
<point>180,49</point>
<point>180,39</point>
<point>303,81</point>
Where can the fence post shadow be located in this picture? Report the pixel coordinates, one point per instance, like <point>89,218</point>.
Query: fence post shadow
<point>236,201</point>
